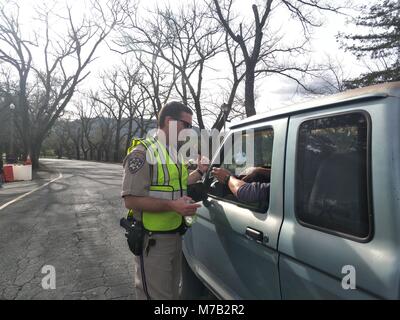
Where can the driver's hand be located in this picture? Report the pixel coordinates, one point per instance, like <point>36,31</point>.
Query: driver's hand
<point>220,174</point>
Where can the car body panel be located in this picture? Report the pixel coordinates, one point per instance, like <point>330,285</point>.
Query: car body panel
<point>377,261</point>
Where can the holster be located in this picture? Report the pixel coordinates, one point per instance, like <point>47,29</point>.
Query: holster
<point>134,235</point>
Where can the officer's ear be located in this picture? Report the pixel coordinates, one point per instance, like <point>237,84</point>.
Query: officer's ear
<point>166,122</point>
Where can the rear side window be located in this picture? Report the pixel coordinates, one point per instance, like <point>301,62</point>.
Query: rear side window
<point>332,174</point>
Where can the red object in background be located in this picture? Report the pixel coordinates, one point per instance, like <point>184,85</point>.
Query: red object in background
<point>28,160</point>
<point>8,173</point>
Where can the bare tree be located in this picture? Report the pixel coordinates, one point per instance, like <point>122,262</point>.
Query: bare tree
<point>139,112</point>
<point>187,39</point>
<point>260,49</point>
<point>158,78</point>
<point>238,74</point>
<point>125,95</point>
<point>63,134</point>
<point>7,97</point>
<point>85,117</point>
<point>114,98</point>
<point>56,82</point>
<point>75,134</point>
<point>331,79</point>
<point>103,132</point>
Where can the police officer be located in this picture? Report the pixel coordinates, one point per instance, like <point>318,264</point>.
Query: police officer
<point>154,190</point>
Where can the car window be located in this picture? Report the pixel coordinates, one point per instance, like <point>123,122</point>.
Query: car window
<point>331,174</point>
<point>255,164</point>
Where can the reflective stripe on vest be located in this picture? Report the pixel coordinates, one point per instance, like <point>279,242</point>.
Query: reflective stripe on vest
<point>168,181</point>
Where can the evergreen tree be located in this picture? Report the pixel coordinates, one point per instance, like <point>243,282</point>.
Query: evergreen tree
<point>381,43</point>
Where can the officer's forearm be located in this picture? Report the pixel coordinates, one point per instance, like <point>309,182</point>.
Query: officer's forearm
<point>148,204</point>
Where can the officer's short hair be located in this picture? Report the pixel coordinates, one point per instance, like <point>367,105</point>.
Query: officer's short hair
<point>172,109</point>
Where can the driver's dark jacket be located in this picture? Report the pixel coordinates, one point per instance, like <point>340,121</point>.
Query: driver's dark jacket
<point>253,192</point>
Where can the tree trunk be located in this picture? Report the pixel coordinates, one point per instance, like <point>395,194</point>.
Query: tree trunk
<point>77,146</point>
<point>99,152</point>
<point>23,111</point>
<point>219,123</point>
<point>107,154</point>
<point>91,153</point>
<point>35,153</point>
<point>78,153</point>
<point>117,142</point>
<point>198,113</point>
<point>249,102</point>
<point>60,152</point>
<point>129,137</point>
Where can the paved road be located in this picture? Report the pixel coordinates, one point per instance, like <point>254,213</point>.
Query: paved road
<point>73,225</point>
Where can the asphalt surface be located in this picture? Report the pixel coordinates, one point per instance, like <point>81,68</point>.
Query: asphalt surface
<point>11,191</point>
<point>71,224</point>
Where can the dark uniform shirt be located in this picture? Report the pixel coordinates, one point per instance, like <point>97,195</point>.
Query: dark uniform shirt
<point>254,192</point>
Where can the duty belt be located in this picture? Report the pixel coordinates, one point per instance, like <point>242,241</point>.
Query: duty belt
<point>181,229</point>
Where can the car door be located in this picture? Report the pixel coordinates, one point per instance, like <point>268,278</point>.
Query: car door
<point>339,238</point>
<point>233,245</point>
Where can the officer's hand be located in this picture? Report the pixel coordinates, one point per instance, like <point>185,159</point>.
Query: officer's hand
<point>185,206</point>
<point>203,163</point>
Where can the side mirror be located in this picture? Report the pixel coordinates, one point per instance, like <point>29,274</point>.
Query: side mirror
<point>197,191</point>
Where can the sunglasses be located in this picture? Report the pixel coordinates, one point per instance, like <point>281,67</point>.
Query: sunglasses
<point>187,125</point>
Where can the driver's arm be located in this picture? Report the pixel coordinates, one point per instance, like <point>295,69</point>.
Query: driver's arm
<point>224,176</point>
<point>254,192</point>
<point>235,184</point>
<point>244,191</point>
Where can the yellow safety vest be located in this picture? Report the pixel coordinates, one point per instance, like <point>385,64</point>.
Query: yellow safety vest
<point>168,181</point>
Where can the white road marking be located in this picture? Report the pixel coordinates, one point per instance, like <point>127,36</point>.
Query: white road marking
<point>30,192</point>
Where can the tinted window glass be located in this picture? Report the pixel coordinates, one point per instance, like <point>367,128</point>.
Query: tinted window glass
<point>331,174</point>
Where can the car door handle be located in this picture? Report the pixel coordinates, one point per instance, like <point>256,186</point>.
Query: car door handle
<point>253,234</point>
<point>256,235</point>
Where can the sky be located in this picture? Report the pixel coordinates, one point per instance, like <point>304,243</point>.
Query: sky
<point>272,92</point>
<point>278,92</point>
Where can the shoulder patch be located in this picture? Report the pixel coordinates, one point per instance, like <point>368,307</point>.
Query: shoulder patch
<point>136,161</point>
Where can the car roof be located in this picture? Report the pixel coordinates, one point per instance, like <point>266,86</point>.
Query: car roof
<point>374,92</point>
